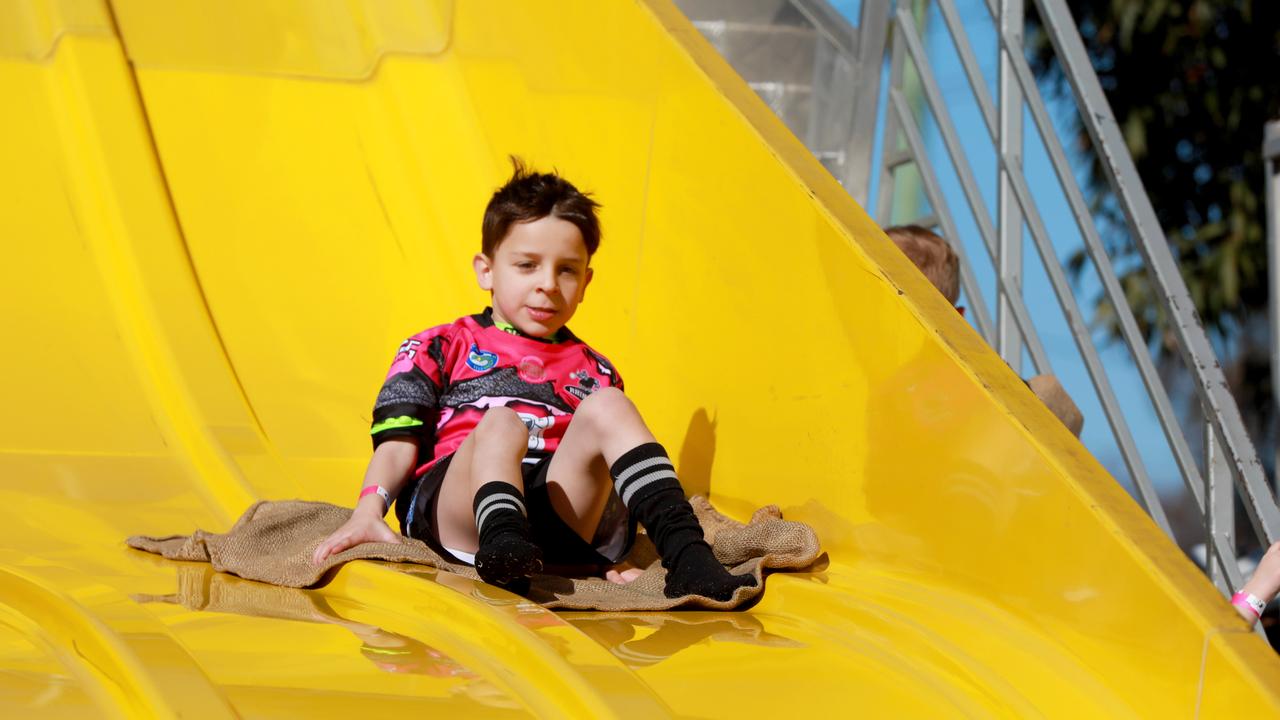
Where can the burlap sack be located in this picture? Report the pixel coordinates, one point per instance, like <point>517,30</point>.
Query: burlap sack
<point>273,542</point>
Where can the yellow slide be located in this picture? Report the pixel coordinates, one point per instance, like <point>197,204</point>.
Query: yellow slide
<point>219,220</point>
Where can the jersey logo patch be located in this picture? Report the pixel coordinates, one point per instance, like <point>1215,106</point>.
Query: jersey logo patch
<point>537,425</point>
<point>408,347</point>
<point>531,369</point>
<point>481,360</point>
<point>586,384</point>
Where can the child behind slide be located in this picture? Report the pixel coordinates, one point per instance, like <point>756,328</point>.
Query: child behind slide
<point>532,452</point>
<point>940,264</point>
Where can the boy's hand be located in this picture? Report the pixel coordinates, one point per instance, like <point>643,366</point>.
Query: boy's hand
<point>1053,395</point>
<point>366,525</point>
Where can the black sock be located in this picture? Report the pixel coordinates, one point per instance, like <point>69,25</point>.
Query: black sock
<point>506,554</point>
<point>646,481</point>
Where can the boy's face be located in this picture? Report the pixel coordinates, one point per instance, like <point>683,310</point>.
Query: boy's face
<point>537,275</point>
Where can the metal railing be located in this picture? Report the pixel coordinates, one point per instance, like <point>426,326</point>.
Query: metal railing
<point>890,32</point>
<point>1271,165</point>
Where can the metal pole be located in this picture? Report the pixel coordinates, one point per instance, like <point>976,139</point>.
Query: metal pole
<point>906,35</point>
<point>1111,284</point>
<point>907,188</point>
<point>1084,343</point>
<point>1219,520</point>
<point>891,157</point>
<point>1271,164</point>
<point>1219,515</point>
<point>1009,230</point>
<point>873,33</point>
<point>933,192</point>
<point>969,61</point>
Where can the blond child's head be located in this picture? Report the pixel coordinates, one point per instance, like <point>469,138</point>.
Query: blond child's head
<point>932,255</point>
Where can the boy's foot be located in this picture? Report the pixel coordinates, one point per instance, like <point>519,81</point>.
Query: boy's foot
<point>507,558</point>
<point>622,573</point>
<point>696,571</point>
<point>645,479</point>
<point>506,553</point>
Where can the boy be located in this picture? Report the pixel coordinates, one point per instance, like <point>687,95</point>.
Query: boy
<point>532,447</point>
<point>932,255</point>
<point>941,266</point>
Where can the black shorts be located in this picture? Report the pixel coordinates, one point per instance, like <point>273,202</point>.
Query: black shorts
<point>561,546</point>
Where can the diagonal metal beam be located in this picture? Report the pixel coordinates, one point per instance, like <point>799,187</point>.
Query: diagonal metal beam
<point>906,27</point>
<point>933,190</point>
<point>955,28</point>
<point>910,36</point>
<point>1084,342</point>
<point>1117,164</point>
<point>1110,281</point>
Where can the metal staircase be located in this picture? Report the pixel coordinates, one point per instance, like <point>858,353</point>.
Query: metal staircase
<point>798,56</point>
<point>856,91</point>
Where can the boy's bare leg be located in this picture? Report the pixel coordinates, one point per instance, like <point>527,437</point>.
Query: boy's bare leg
<point>578,485</point>
<point>607,445</point>
<point>480,507</point>
<point>578,481</point>
<point>605,426</point>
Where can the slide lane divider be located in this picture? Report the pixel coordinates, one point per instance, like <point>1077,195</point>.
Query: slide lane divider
<point>123,680</point>
<point>489,638</point>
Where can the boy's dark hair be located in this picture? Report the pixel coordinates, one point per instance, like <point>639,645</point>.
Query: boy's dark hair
<point>529,196</point>
<point>932,254</point>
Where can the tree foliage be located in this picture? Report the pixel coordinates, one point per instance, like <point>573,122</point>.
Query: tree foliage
<point>1191,84</point>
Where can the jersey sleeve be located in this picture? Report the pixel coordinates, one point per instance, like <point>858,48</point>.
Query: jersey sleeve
<point>408,403</point>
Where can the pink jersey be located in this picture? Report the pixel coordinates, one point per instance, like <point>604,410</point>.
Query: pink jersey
<point>443,380</point>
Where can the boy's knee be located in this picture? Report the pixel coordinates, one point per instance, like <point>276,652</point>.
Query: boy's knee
<point>501,424</point>
<point>604,400</point>
<point>605,405</point>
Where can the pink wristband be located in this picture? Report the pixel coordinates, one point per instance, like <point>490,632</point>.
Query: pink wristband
<point>386,496</point>
<point>1247,601</point>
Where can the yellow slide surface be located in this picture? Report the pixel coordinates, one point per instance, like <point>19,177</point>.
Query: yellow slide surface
<point>220,219</point>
